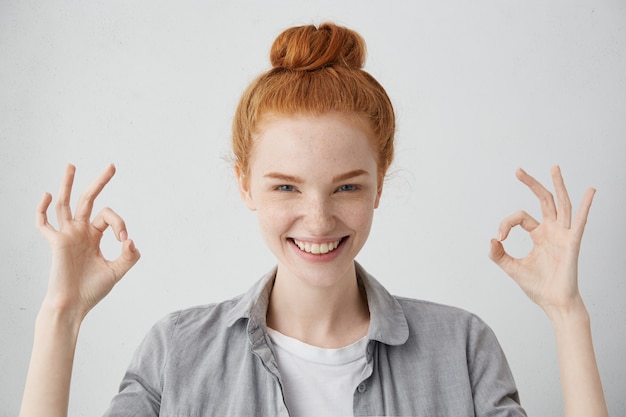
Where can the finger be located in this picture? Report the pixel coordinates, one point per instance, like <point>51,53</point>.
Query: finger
<point>521,218</point>
<point>63,209</point>
<point>108,217</point>
<point>583,212</point>
<point>564,213</point>
<point>129,257</point>
<point>85,204</point>
<point>548,209</point>
<point>41,216</point>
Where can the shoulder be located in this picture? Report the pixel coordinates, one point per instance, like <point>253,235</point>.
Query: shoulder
<point>396,319</point>
<point>185,336</point>
<point>197,319</point>
<point>427,311</point>
<point>439,322</point>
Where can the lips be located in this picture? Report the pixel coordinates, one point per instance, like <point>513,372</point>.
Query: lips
<point>317,248</point>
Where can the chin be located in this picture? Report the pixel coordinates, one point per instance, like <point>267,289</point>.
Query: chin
<point>321,275</point>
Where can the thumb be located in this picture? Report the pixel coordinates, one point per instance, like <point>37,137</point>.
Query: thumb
<point>129,257</point>
<point>499,256</point>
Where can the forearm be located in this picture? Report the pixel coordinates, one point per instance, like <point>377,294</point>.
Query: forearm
<point>580,379</point>
<point>48,382</point>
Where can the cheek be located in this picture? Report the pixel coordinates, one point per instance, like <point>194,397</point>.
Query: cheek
<point>273,221</point>
<point>358,216</point>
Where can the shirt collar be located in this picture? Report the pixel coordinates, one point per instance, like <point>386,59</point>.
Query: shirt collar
<point>253,304</point>
<point>388,323</point>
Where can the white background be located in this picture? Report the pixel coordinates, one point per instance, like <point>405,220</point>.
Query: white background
<point>480,88</point>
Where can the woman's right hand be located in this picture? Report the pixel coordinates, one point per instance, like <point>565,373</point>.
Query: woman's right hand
<point>80,276</point>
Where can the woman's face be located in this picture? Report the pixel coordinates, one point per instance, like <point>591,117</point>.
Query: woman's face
<point>313,182</point>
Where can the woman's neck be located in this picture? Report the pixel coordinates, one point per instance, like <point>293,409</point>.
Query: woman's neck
<point>324,316</point>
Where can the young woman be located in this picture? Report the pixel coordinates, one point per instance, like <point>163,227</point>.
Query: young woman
<point>318,335</point>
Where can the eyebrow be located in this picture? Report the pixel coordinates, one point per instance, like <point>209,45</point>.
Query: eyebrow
<point>283,177</point>
<point>350,174</point>
<point>297,180</point>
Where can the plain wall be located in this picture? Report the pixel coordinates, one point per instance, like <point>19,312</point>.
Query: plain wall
<point>480,88</point>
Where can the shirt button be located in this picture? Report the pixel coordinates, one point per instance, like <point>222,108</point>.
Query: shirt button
<point>362,388</point>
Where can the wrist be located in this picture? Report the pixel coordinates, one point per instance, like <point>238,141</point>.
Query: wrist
<point>573,314</point>
<point>54,315</point>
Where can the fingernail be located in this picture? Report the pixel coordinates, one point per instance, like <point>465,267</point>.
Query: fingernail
<point>500,236</point>
<point>123,235</point>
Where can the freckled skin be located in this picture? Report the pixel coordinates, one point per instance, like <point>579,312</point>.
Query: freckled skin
<point>314,179</point>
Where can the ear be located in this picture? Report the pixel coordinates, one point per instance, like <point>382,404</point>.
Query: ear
<point>379,193</point>
<point>244,188</point>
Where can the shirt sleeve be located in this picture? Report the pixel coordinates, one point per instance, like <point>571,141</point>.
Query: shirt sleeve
<point>493,386</point>
<point>140,390</point>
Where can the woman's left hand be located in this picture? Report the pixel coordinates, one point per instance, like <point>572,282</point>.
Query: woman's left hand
<point>549,273</point>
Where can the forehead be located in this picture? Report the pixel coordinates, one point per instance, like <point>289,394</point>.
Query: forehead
<point>330,139</point>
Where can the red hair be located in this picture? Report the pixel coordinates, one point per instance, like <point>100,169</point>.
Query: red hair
<point>315,71</point>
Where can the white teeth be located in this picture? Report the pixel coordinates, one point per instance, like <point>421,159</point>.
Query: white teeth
<point>317,248</point>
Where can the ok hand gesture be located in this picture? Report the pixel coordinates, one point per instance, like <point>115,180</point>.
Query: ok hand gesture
<point>80,276</point>
<point>549,273</point>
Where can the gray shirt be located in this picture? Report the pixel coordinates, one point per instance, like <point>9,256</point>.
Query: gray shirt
<point>423,359</point>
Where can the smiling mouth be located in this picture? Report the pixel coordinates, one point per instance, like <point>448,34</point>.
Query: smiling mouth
<point>318,248</point>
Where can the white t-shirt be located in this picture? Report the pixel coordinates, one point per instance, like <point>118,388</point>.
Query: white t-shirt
<point>318,382</point>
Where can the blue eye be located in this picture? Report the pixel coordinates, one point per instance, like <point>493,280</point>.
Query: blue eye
<point>285,188</point>
<point>348,187</point>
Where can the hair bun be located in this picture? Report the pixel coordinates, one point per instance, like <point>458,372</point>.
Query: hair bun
<point>307,48</point>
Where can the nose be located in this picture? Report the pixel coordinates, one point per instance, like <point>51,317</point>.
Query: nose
<point>319,218</point>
